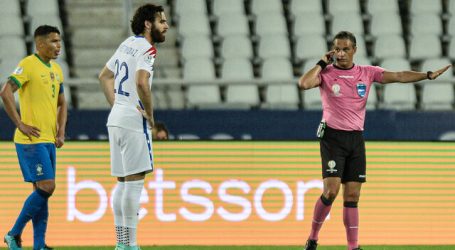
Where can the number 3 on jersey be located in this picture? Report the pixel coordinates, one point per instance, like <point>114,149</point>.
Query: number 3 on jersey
<point>118,67</point>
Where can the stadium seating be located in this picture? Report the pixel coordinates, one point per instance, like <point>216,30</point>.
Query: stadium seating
<point>310,47</point>
<point>284,95</point>
<point>425,6</point>
<point>390,6</point>
<point>270,23</point>
<point>335,7</point>
<point>259,35</point>
<point>372,101</point>
<point>197,46</point>
<point>42,7</point>
<point>309,24</point>
<point>385,23</point>
<point>399,97</point>
<point>396,64</point>
<point>426,24</point>
<point>423,47</point>
<point>15,25</point>
<point>304,7</point>
<point>383,48</point>
<point>271,46</point>
<point>266,6</point>
<point>232,24</point>
<point>312,99</point>
<point>237,47</point>
<point>347,21</point>
<point>438,96</point>
<point>183,7</point>
<point>233,7</point>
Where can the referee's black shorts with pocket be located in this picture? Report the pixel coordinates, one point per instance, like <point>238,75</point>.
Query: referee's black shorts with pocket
<point>343,155</point>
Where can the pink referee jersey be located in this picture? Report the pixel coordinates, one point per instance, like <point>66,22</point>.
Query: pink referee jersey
<point>344,94</point>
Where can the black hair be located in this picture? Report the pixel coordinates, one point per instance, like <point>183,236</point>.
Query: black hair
<point>346,35</point>
<point>45,30</point>
<point>144,13</point>
<point>160,126</point>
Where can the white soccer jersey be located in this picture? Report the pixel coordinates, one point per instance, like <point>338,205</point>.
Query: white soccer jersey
<point>133,54</point>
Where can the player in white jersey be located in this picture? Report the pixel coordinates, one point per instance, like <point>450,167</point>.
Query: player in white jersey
<point>126,81</point>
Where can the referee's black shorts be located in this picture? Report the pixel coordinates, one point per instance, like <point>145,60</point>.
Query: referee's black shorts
<point>343,155</point>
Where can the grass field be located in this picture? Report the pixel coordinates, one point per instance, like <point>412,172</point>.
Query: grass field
<point>262,248</point>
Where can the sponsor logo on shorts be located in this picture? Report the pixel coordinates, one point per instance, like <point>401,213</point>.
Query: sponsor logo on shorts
<point>39,169</point>
<point>362,176</point>
<point>331,164</point>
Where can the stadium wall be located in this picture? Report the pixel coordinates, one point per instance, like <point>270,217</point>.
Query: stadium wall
<point>243,193</point>
<point>264,125</point>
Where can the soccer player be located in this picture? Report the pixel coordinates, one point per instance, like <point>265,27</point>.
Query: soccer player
<point>40,128</point>
<point>160,132</point>
<point>126,82</point>
<point>344,88</point>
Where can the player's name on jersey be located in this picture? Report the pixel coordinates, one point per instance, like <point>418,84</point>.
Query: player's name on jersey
<point>128,50</point>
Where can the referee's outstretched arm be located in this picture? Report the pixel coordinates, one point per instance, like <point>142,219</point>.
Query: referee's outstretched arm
<point>412,76</point>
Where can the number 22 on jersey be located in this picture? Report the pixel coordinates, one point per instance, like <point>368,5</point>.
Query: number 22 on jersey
<point>123,69</point>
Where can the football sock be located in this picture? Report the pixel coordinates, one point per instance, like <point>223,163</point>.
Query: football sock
<point>40,226</point>
<point>31,208</point>
<point>118,215</point>
<point>351,223</point>
<point>321,210</point>
<point>130,209</point>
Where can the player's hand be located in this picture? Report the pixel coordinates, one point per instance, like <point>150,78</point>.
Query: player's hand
<point>29,131</point>
<point>439,72</point>
<point>59,141</point>
<point>149,118</point>
<point>327,57</point>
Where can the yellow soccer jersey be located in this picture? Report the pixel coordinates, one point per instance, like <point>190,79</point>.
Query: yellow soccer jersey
<point>39,86</point>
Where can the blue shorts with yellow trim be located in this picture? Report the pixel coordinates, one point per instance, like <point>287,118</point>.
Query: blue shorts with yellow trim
<point>37,161</point>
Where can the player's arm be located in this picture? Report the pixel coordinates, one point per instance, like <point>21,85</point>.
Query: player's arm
<point>311,78</point>
<point>62,113</point>
<point>145,95</point>
<point>412,76</point>
<point>7,94</point>
<point>106,78</point>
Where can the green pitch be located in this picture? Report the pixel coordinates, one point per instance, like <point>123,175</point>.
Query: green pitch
<point>266,248</point>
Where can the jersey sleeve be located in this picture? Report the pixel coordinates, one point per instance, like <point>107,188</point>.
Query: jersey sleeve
<point>61,78</point>
<point>377,73</point>
<point>111,63</point>
<point>20,76</point>
<point>146,60</point>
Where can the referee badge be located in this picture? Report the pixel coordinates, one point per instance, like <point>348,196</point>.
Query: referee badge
<point>361,89</point>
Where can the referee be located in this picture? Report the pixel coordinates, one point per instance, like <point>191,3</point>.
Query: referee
<point>344,88</point>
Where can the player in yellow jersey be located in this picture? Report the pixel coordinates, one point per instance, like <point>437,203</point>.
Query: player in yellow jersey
<point>40,129</point>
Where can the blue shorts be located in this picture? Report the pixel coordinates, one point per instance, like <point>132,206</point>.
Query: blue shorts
<point>37,161</point>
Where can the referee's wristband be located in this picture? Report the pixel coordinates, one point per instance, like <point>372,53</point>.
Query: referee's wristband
<point>322,64</point>
<point>429,74</point>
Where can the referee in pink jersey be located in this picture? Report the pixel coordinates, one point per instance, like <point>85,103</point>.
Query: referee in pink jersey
<point>344,88</point>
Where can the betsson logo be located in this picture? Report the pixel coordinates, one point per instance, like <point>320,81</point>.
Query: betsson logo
<point>159,185</point>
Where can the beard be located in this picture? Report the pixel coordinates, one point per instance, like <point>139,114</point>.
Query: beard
<point>157,36</point>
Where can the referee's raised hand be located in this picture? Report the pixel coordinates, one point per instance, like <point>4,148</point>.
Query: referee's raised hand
<point>437,73</point>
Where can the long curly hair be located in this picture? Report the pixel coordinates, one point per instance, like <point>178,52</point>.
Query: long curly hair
<point>144,13</point>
